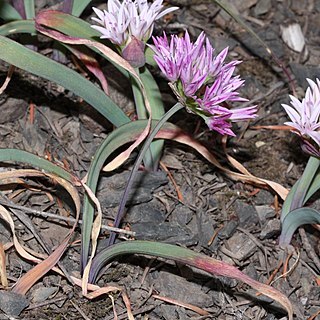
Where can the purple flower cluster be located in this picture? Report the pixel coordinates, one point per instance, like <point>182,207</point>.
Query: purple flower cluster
<point>304,115</point>
<point>204,83</point>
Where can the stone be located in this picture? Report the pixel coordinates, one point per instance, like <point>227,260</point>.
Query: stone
<point>165,231</point>
<point>241,246</point>
<point>12,109</point>
<point>246,213</point>
<point>262,7</point>
<point>12,303</point>
<point>265,212</point>
<point>111,188</point>
<point>173,286</point>
<point>150,211</point>
<point>263,197</point>
<point>271,229</point>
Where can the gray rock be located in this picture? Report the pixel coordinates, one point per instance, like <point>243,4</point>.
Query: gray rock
<point>171,285</point>
<point>241,246</point>
<point>269,36</point>
<point>262,7</point>
<point>111,189</point>
<point>228,230</point>
<point>265,212</point>
<point>263,197</point>
<point>246,213</point>
<point>43,293</point>
<point>301,72</point>
<point>182,214</point>
<point>165,231</point>
<point>271,229</point>
<point>12,303</point>
<point>151,211</point>
<point>12,110</point>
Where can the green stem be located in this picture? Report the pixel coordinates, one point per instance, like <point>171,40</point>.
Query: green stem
<point>153,154</point>
<point>121,211</point>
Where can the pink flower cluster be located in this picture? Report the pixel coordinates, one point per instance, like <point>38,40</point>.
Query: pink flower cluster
<point>128,18</point>
<point>204,83</point>
<point>304,115</point>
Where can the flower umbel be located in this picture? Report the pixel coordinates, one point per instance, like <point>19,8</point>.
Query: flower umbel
<point>304,115</point>
<point>131,19</point>
<point>204,83</point>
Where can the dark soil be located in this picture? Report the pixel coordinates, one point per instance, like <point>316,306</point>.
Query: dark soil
<point>235,222</point>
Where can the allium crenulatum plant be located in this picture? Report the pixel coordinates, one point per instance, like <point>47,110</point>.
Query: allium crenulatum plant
<point>305,122</point>
<point>203,81</point>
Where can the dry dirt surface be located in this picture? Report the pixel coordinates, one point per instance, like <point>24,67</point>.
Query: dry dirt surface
<point>219,217</point>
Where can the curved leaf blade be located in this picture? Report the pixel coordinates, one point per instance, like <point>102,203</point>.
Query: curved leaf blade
<point>20,156</point>
<point>79,6</point>
<point>294,219</point>
<point>29,8</point>
<point>20,26</point>
<point>130,132</point>
<point>24,58</point>
<point>8,12</point>
<point>188,257</point>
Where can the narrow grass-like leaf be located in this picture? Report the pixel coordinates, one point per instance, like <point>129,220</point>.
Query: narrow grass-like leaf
<point>188,257</point>
<point>294,219</point>
<point>8,12</point>
<point>24,157</point>
<point>24,58</point>
<point>304,183</point>
<point>302,191</point>
<point>83,54</point>
<point>121,210</point>
<point>67,24</point>
<point>153,155</point>
<point>79,6</point>
<point>67,6</point>
<point>130,132</point>
<point>29,8</point>
<point>20,26</point>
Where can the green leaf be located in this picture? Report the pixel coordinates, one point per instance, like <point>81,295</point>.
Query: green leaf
<point>294,219</point>
<point>188,257</point>
<point>68,24</point>
<point>20,26</point>
<point>79,6</point>
<point>149,57</point>
<point>119,137</point>
<point>20,156</point>
<point>8,12</point>
<point>29,8</point>
<point>74,27</point>
<point>24,58</point>
<point>304,188</point>
<point>153,155</point>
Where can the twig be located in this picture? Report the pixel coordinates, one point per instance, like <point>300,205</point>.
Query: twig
<point>55,216</point>
<point>84,316</point>
<point>45,303</point>
<point>309,250</point>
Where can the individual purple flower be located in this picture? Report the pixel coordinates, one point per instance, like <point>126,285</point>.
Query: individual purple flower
<point>123,22</point>
<point>203,82</point>
<point>304,115</point>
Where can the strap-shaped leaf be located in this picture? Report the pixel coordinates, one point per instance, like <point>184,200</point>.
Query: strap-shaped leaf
<point>188,257</point>
<point>8,12</point>
<point>294,219</point>
<point>24,58</point>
